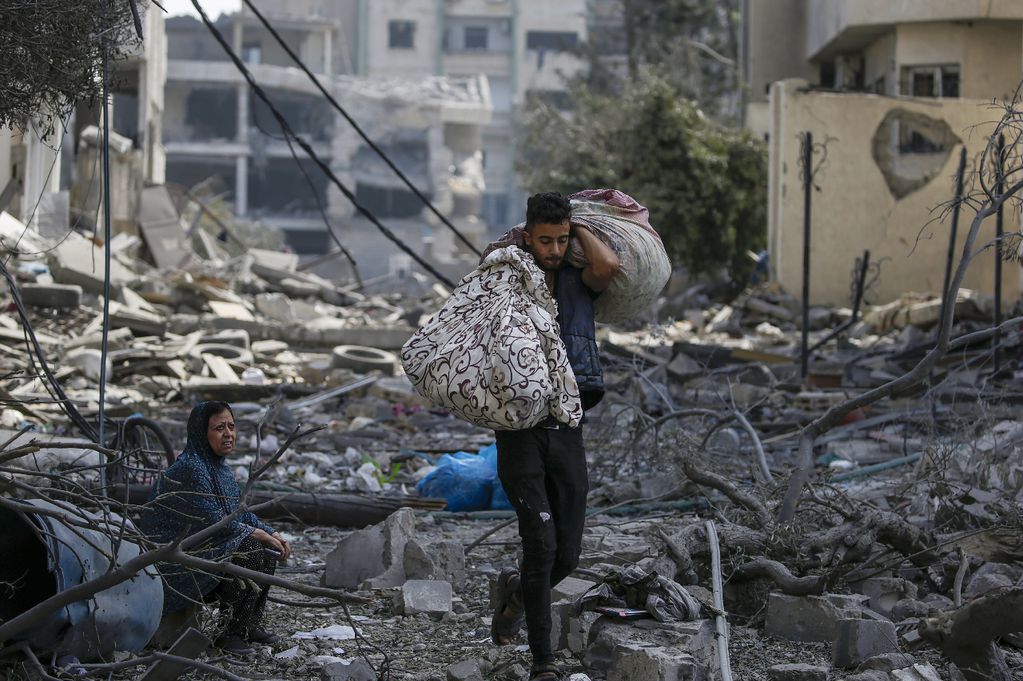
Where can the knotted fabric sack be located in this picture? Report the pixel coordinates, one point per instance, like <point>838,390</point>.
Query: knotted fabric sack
<point>624,225</point>
<point>493,354</point>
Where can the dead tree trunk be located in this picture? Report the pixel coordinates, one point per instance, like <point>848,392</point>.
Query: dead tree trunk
<point>967,636</point>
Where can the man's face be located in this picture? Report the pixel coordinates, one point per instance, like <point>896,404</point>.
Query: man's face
<point>220,433</point>
<point>548,243</point>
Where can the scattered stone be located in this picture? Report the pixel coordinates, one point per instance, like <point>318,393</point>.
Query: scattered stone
<point>571,588</point>
<point>432,597</point>
<point>466,670</point>
<point>802,618</point>
<point>374,556</point>
<point>909,607</point>
<point>62,296</point>
<point>798,672</point>
<point>635,663</point>
<point>888,662</point>
<point>859,640</point>
<point>885,592</point>
<point>918,672</point>
<point>356,670</point>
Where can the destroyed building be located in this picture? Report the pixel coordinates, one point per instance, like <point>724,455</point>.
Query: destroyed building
<point>428,126</point>
<point>891,92</point>
<point>48,180</point>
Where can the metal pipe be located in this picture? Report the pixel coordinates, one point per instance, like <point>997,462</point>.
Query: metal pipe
<point>952,236</point>
<point>807,192</point>
<point>999,234</point>
<point>720,623</point>
<point>104,344</point>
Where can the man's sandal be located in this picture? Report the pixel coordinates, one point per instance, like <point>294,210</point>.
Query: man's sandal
<point>508,617</point>
<point>544,671</point>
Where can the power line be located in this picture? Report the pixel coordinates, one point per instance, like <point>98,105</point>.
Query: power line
<point>372,145</point>
<point>286,128</point>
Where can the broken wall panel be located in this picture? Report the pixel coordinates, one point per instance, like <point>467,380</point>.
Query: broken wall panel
<point>856,209</point>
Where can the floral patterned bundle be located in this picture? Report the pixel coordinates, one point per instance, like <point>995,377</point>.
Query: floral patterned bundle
<point>493,354</point>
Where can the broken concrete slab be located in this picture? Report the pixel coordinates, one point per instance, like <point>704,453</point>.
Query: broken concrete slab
<point>885,592</point>
<point>571,588</point>
<point>466,670</point>
<point>432,597</point>
<point>436,560</point>
<point>798,672</point>
<point>802,618</point>
<point>79,261</point>
<point>356,670</point>
<point>189,645</point>
<point>60,296</point>
<point>887,662</point>
<point>643,663</point>
<point>374,556</point>
<point>859,640</point>
<point>918,672</point>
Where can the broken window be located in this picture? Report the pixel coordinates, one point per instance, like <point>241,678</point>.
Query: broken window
<point>401,34</point>
<point>277,187</point>
<point>931,81</point>
<point>212,113</point>
<point>558,41</point>
<point>252,53</point>
<point>911,149</point>
<point>476,37</point>
<point>388,202</point>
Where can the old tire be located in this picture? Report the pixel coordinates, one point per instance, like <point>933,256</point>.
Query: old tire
<point>362,359</point>
<point>231,352</point>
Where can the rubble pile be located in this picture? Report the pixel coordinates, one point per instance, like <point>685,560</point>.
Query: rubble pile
<point>911,518</point>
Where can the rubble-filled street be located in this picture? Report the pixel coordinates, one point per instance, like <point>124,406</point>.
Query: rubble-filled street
<point>912,508</point>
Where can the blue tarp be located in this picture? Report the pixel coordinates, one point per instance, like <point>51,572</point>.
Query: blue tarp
<point>468,481</point>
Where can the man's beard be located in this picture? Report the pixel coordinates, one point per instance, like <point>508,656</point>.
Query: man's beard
<point>549,264</point>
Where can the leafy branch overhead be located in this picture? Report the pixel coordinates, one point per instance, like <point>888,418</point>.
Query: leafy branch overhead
<point>51,54</point>
<point>704,183</point>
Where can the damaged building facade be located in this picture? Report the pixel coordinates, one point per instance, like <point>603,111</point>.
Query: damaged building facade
<point>893,91</point>
<point>434,84</point>
<point>50,178</point>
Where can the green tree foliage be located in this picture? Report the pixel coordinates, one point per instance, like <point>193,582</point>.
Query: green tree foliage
<point>704,183</point>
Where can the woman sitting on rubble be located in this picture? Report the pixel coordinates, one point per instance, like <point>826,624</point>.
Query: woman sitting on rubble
<point>196,492</point>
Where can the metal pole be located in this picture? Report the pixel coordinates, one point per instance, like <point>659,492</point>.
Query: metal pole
<point>106,249</point>
<point>807,192</point>
<point>952,237</point>
<point>999,233</point>
<point>857,302</point>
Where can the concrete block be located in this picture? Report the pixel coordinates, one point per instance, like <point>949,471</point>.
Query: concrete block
<point>918,672</point>
<point>909,607</point>
<point>561,613</point>
<point>432,597</point>
<point>356,670</point>
<point>888,662</point>
<point>885,592</point>
<point>798,672</point>
<point>88,361</point>
<point>685,641</point>
<point>373,556</point>
<point>436,560</point>
<point>239,338</point>
<point>635,663</point>
<point>296,288</point>
<point>61,296</point>
<point>858,640</point>
<point>802,618</point>
<point>189,645</point>
<point>571,588</point>
<point>579,631</point>
<point>466,670</point>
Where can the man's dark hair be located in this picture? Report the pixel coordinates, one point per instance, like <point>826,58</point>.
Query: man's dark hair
<point>547,208</point>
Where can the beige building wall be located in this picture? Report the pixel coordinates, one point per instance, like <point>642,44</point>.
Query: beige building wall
<point>775,47</point>
<point>383,60</point>
<point>855,210</point>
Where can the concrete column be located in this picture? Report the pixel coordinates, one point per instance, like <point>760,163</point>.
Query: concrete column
<point>5,156</point>
<point>328,52</point>
<point>42,169</point>
<point>241,186</point>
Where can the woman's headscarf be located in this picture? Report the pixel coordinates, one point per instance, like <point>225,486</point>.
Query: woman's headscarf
<point>198,426</point>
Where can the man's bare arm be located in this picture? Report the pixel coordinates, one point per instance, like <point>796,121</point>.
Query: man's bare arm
<point>602,263</point>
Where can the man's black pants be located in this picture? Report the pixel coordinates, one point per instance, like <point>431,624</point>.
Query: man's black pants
<point>543,471</point>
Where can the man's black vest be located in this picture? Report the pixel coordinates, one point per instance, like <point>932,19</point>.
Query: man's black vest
<point>575,317</point>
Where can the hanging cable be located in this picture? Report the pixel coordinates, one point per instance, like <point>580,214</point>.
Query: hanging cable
<point>286,128</point>
<point>315,194</point>
<point>104,343</point>
<point>372,145</point>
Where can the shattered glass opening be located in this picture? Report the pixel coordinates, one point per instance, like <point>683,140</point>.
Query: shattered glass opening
<point>911,149</point>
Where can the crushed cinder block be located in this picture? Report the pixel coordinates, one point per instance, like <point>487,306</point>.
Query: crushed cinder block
<point>887,662</point>
<point>466,670</point>
<point>802,618</point>
<point>429,596</point>
<point>859,640</point>
<point>798,672</point>
<point>374,556</point>
<point>885,592</point>
<point>571,588</point>
<point>639,663</point>
<point>60,296</point>
<point>356,670</point>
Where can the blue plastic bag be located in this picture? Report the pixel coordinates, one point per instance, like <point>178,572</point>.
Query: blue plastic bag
<point>467,481</point>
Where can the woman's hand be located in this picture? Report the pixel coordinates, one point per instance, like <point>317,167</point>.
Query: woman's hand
<point>273,541</point>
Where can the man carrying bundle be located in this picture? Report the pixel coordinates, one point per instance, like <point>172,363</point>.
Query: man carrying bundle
<point>543,468</point>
